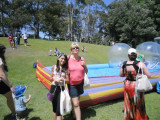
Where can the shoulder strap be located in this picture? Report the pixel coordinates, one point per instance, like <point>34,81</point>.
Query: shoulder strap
<point>124,66</point>
<point>81,58</point>
<point>135,65</point>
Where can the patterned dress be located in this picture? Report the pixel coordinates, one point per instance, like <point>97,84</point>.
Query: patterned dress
<point>134,105</point>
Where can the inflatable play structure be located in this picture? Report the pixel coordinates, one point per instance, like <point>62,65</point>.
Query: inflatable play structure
<point>106,84</point>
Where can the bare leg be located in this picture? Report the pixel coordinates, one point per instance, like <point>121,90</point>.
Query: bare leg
<point>10,101</point>
<point>54,116</point>
<point>59,117</point>
<point>76,107</point>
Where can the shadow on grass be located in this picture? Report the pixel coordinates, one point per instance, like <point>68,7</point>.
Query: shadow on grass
<point>9,116</point>
<point>90,112</point>
<point>110,102</point>
<point>35,118</point>
<point>86,113</point>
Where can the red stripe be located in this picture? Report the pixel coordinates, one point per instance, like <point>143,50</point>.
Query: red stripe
<point>44,82</point>
<point>43,74</point>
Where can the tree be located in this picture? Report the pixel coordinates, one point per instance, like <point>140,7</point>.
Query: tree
<point>54,19</point>
<point>35,14</point>
<point>128,21</point>
<point>16,15</point>
<point>3,8</point>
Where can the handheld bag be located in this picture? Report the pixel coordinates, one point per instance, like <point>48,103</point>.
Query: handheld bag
<point>142,82</point>
<point>51,95</point>
<point>86,81</point>
<point>65,101</point>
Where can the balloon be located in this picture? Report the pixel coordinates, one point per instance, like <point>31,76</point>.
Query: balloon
<point>151,52</point>
<point>117,54</point>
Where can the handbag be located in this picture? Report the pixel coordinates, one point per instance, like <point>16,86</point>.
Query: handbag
<point>142,82</point>
<point>50,95</point>
<point>65,101</point>
<point>86,81</point>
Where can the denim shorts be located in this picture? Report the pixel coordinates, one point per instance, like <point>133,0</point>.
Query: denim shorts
<point>76,90</point>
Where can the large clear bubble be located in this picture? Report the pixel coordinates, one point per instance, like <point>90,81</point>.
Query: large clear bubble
<point>117,54</point>
<point>151,52</point>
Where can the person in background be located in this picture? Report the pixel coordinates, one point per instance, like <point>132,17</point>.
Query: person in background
<point>11,41</point>
<point>20,102</point>
<point>18,38</point>
<point>56,52</point>
<point>134,104</point>
<point>50,53</point>
<point>59,75</point>
<point>16,41</point>
<point>6,87</point>
<point>140,57</point>
<point>77,67</point>
<point>25,36</point>
<point>83,49</point>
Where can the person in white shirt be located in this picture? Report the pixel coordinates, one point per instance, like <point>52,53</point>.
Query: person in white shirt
<point>24,36</point>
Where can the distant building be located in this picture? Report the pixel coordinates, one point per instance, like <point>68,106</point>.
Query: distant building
<point>157,39</point>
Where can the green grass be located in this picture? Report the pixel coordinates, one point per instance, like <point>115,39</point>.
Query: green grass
<point>20,62</point>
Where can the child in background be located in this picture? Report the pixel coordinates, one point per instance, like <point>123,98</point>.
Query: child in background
<point>20,102</point>
<point>59,74</point>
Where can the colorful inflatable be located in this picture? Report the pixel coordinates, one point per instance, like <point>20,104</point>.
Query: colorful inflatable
<point>105,83</point>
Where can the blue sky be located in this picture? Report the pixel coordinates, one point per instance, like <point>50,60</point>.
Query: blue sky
<point>107,2</point>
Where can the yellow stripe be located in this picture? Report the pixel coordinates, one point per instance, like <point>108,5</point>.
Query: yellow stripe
<point>103,84</point>
<point>101,94</point>
<point>43,71</point>
<point>44,78</point>
<point>154,77</point>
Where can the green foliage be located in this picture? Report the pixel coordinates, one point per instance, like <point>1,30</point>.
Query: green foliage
<point>128,21</point>
<point>122,21</point>
<point>54,16</point>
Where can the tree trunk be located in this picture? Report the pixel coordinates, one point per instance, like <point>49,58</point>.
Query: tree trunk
<point>71,24</point>
<point>3,32</point>
<point>37,31</point>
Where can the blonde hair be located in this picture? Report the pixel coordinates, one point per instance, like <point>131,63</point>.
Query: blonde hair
<point>74,44</point>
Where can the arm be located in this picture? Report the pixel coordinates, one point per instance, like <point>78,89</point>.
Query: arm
<point>52,70</point>
<point>51,78</point>
<point>145,71</point>
<point>83,63</point>
<point>28,99</point>
<point>65,79</point>
<point>85,68</point>
<point>121,72</point>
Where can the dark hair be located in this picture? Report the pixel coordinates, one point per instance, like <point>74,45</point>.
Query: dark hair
<point>65,66</point>
<point>2,52</point>
<point>132,57</point>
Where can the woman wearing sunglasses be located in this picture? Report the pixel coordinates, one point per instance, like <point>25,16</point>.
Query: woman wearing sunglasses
<point>77,67</point>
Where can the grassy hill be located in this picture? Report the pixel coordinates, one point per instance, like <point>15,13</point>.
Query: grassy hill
<point>20,62</point>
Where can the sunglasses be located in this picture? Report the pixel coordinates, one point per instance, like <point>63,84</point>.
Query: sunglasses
<point>61,54</point>
<point>75,48</point>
